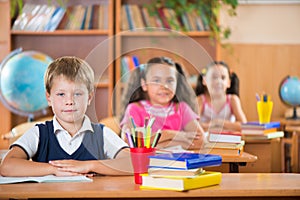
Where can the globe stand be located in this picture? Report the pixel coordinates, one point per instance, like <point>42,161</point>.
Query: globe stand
<point>30,118</point>
<point>294,117</point>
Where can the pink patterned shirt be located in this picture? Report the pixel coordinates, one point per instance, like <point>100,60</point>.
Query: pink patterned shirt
<point>175,116</point>
<point>209,113</point>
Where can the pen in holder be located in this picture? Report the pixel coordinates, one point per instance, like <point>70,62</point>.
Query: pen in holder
<point>264,110</point>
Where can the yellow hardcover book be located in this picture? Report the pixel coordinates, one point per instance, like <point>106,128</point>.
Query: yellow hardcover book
<point>181,184</point>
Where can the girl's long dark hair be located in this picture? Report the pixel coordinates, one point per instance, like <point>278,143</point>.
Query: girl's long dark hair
<point>234,85</point>
<point>133,91</point>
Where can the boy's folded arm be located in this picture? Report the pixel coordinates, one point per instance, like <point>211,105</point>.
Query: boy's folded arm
<point>18,166</point>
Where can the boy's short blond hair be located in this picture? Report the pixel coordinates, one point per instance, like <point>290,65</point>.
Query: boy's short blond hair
<point>72,68</point>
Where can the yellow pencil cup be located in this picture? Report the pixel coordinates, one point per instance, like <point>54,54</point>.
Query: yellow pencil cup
<point>264,111</point>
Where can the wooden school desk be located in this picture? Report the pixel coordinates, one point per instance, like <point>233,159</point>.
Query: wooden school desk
<point>293,128</point>
<point>236,161</point>
<point>239,185</point>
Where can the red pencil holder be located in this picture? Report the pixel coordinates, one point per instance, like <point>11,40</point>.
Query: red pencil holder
<point>140,161</point>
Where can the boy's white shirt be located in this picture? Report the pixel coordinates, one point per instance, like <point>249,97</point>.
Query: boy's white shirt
<point>30,139</point>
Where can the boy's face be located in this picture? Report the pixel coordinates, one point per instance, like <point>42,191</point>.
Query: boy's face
<point>69,100</point>
<point>160,84</point>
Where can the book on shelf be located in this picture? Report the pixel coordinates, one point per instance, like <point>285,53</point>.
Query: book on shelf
<point>258,131</point>
<point>124,20</point>
<point>181,183</point>
<point>24,17</point>
<point>184,160</point>
<point>163,18</point>
<point>266,136</point>
<point>257,125</point>
<point>198,21</point>
<point>44,179</point>
<point>35,17</point>
<point>41,18</point>
<point>102,15</point>
<point>151,20</point>
<point>129,16</point>
<point>205,20</point>
<point>172,19</point>
<point>138,16</point>
<point>185,22</point>
<point>224,136</point>
<point>55,19</point>
<point>156,171</point>
<point>192,21</point>
<point>94,23</point>
<point>128,63</point>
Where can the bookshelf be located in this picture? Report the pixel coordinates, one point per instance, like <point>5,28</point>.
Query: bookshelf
<point>106,57</point>
<point>147,42</point>
<point>89,44</point>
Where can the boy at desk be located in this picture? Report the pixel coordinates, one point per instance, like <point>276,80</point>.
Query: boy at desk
<point>70,144</point>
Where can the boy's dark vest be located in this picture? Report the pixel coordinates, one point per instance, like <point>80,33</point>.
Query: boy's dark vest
<point>91,147</point>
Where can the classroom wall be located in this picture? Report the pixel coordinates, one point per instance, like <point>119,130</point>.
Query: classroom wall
<point>265,47</point>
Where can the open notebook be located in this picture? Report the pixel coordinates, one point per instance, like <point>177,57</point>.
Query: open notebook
<point>44,179</point>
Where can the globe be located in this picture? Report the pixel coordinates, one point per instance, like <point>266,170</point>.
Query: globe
<point>22,88</point>
<point>289,93</point>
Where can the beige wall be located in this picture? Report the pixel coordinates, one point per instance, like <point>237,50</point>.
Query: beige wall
<point>266,48</point>
<point>264,24</point>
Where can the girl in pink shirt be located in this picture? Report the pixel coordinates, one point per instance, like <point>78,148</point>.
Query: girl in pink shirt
<point>218,97</point>
<point>159,89</point>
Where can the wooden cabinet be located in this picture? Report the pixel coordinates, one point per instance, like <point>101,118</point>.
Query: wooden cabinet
<point>103,50</point>
<point>268,156</point>
<point>92,45</point>
<point>193,50</point>
<point>5,122</point>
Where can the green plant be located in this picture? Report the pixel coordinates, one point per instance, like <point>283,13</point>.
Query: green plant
<point>208,9</point>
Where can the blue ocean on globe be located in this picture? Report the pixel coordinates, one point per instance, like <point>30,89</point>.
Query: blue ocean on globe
<point>290,91</point>
<point>22,81</point>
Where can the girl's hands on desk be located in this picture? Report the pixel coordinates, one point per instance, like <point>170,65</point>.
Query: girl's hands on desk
<point>188,140</point>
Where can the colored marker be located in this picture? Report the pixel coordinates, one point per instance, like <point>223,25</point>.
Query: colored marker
<point>156,138</point>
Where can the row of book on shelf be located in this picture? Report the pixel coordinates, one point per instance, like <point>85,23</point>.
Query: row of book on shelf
<point>181,171</point>
<point>231,143</point>
<point>134,16</point>
<point>46,17</point>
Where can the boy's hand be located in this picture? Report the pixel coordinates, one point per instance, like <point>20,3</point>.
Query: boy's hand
<point>71,167</point>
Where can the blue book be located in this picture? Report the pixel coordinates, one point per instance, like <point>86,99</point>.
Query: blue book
<point>257,125</point>
<point>129,16</point>
<point>184,160</point>
<point>55,19</point>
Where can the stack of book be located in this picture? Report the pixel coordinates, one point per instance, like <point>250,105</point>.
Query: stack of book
<point>257,131</point>
<point>224,143</point>
<point>181,171</point>
<point>139,17</point>
<point>36,17</point>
